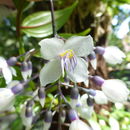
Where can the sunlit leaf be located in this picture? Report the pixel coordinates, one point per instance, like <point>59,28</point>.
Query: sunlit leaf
<point>39,24</point>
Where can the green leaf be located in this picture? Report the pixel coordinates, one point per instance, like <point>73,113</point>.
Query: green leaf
<point>39,24</point>
<point>16,124</point>
<point>67,35</point>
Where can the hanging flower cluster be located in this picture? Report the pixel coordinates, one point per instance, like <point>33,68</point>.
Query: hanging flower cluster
<point>67,59</point>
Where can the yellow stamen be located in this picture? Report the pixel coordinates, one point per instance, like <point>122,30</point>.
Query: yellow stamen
<point>69,53</point>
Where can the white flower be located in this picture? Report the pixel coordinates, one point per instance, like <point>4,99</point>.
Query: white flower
<point>113,55</point>
<point>65,56</point>
<point>7,71</point>
<point>78,125</point>
<point>6,99</point>
<point>115,90</point>
<point>100,97</point>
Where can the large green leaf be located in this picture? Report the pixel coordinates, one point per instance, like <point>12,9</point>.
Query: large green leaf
<point>39,24</point>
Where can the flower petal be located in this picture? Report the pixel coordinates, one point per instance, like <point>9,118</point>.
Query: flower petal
<point>113,55</point>
<point>78,125</point>
<point>115,90</point>
<point>51,47</point>
<point>7,74</point>
<point>81,45</point>
<point>6,99</point>
<point>100,97</point>
<point>50,72</point>
<point>3,63</point>
<point>80,73</point>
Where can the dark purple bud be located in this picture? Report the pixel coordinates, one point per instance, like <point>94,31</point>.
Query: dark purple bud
<point>28,112</point>
<point>48,117</point>
<point>29,103</point>
<point>24,66</point>
<point>99,50</point>
<point>97,80</point>
<point>41,93</point>
<point>12,61</point>
<point>72,115</point>
<point>74,93</point>
<point>29,65</point>
<point>92,92</point>
<point>90,101</point>
<point>17,89</point>
<point>92,56</point>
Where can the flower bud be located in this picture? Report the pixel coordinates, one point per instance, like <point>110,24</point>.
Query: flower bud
<point>27,114</point>
<point>73,115</point>
<point>97,80</point>
<point>93,60</point>
<point>47,120</point>
<point>17,89</point>
<point>74,93</point>
<point>92,92</point>
<point>90,101</point>
<point>76,123</point>
<point>99,50</point>
<point>12,61</point>
<point>74,96</point>
<point>41,95</point>
<point>24,69</point>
